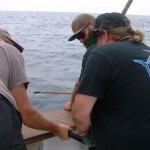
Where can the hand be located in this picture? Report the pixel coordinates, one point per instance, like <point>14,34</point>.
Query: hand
<point>62,131</point>
<point>68,106</point>
<point>82,133</point>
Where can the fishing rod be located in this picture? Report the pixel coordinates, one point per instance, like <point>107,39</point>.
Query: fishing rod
<point>46,92</point>
<point>126,7</point>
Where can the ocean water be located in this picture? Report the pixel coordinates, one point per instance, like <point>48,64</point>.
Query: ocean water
<point>52,63</point>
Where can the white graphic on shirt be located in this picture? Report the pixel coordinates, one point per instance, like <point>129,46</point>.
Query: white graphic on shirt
<point>146,64</point>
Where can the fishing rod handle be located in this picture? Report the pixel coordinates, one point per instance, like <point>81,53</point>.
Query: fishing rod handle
<point>75,136</point>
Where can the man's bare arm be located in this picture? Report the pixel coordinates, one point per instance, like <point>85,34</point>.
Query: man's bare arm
<point>68,105</point>
<point>81,110</point>
<point>32,118</point>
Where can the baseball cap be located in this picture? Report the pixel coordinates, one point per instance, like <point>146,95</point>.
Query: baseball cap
<point>80,23</point>
<point>110,21</point>
<point>4,33</point>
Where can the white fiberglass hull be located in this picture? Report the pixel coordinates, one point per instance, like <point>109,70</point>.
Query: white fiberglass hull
<point>57,144</point>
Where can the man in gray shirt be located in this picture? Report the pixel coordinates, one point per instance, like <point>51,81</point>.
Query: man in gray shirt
<point>15,106</point>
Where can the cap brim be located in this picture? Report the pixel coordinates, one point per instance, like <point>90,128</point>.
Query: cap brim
<point>74,36</point>
<point>19,47</point>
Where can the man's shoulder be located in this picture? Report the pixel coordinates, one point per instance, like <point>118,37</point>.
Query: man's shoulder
<point>89,50</point>
<point>8,49</point>
<point>10,53</point>
<point>92,46</point>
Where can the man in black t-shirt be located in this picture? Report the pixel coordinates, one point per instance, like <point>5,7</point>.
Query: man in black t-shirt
<point>114,91</point>
<point>82,26</point>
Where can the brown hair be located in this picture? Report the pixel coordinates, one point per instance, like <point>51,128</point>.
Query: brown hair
<point>135,36</point>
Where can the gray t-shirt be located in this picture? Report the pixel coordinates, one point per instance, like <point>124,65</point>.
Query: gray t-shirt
<point>12,70</point>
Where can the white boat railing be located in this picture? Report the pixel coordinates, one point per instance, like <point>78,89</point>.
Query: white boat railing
<point>44,140</point>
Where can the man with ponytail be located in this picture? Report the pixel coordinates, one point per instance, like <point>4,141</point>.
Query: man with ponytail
<point>114,91</point>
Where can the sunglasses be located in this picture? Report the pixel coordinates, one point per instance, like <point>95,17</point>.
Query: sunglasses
<point>81,34</point>
<point>96,33</point>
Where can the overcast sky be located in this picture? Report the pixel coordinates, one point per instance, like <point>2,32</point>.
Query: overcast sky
<point>138,7</point>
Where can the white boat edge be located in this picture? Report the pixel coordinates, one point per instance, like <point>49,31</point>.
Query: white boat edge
<point>57,144</point>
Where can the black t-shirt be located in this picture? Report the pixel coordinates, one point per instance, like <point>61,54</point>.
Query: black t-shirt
<point>118,74</point>
<point>85,58</point>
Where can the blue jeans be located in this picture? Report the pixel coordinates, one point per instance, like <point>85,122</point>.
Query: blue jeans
<point>10,126</point>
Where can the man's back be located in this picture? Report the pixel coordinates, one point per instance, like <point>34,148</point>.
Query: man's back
<point>11,72</point>
<point>121,117</point>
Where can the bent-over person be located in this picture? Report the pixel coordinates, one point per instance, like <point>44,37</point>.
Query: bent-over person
<point>15,106</point>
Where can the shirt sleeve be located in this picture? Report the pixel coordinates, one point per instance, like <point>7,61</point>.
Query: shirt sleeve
<point>17,72</point>
<point>85,58</point>
<point>94,81</point>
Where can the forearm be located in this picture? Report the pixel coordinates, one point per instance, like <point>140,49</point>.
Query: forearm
<point>81,112</point>
<point>82,125</point>
<point>68,105</point>
<point>32,118</point>
<point>74,92</point>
